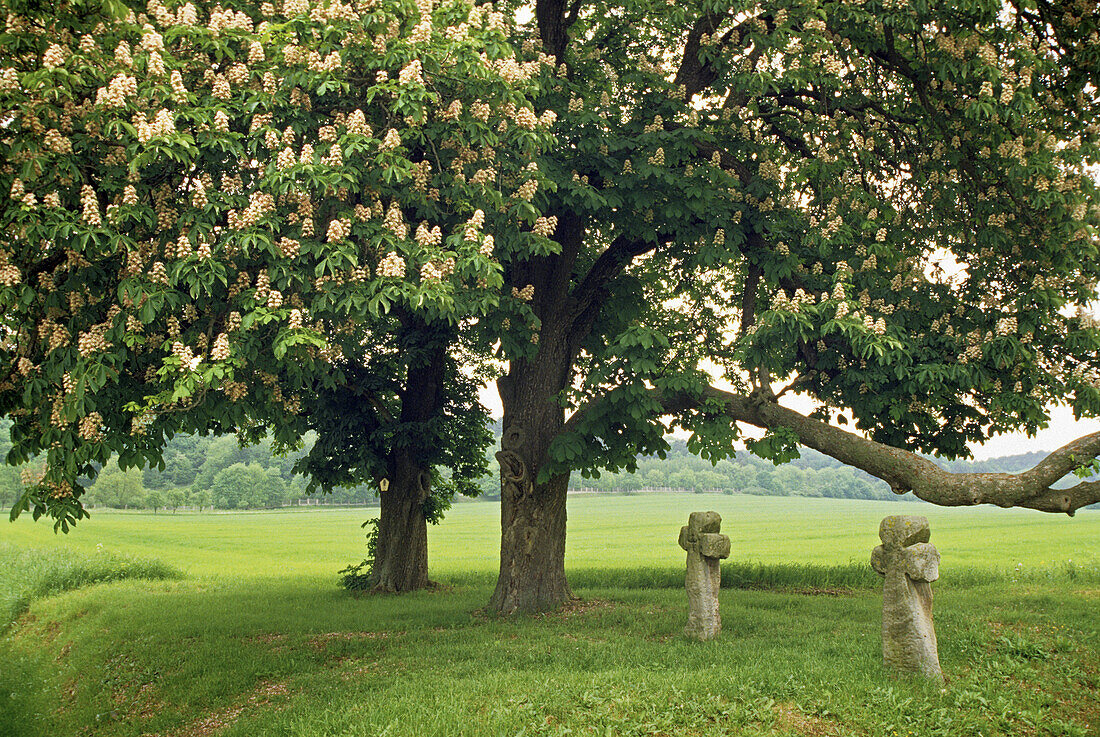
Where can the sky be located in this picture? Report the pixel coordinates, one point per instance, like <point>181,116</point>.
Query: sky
<point>1062,429</point>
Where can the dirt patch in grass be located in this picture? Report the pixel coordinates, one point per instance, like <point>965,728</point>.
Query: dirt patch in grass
<point>576,608</point>
<point>587,639</point>
<point>68,693</point>
<point>266,695</point>
<point>50,631</point>
<point>789,718</point>
<point>351,669</point>
<point>133,693</point>
<point>803,590</point>
<point>272,642</point>
<point>322,641</point>
<point>143,706</point>
<point>821,591</point>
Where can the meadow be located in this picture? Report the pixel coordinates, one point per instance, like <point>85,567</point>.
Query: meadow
<point>231,624</point>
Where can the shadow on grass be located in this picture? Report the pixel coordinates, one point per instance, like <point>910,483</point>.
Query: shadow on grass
<point>793,577</point>
<point>170,656</point>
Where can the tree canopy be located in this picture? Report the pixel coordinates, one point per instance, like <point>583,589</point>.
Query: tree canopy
<point>885,207</point>
<point>215,211</point>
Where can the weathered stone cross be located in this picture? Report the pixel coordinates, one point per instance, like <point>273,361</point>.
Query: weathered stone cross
<point>705,547</point>
<point>909,564</point>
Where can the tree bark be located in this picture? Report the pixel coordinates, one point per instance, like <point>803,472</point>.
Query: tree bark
<point>532,549</point>
<point>401,552</point>
<point>532,541</point>
<point>909,472</point>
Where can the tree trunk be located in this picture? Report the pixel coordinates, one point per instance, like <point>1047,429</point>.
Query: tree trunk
<point>532,541</point>
<point>532,549</point>
<point>401,552</point>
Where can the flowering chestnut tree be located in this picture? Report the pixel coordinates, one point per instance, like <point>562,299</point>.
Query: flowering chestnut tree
<point>227,217</point>
<point>399,415</point>
<point>886,207</point>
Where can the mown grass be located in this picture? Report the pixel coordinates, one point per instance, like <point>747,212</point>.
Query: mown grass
<point>271,658</point>
<point>259,641</point>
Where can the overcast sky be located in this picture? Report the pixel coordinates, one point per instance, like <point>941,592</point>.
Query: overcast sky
<point>1063,428</point>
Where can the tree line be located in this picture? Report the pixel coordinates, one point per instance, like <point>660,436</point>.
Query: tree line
<point>210,472</point>
<point>199,472</point>
<point>812,475</point>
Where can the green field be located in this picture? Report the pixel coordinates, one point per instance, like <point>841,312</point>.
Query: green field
<point>604,532</point>
<point>242,631</point>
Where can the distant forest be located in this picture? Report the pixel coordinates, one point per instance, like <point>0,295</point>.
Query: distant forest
<point>206,472</point>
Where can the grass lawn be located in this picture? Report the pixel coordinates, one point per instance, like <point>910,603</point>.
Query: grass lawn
<point>255,639</point>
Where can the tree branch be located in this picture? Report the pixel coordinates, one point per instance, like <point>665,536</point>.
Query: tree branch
<point>554,26</point>
<point>853,107</point>
<point>574,12</point>
<point>607,266</point>
<point>694,74</point>
<point>906,471</point>
<point>753,275</point>
<point>728,162</point>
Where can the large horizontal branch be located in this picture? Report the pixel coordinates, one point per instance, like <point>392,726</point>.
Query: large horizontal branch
<point>906,471</point>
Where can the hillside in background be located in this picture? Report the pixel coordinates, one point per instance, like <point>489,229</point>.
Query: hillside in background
<point>813,474</point>
<point>216,472</point>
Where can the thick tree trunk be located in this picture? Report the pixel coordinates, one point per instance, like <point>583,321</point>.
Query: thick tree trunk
<point>532,540</point>
<point>401,552</point>
<point>532,548</point>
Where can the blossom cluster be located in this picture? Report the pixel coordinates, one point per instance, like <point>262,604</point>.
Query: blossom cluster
<point>199,212</point>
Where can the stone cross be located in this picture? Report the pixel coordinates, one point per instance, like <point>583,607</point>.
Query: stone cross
<point>705,547</point>
<point>909,564</point>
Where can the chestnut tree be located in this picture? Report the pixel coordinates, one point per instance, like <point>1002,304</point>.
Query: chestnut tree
<point>886,207</point>
<point>235,217</point>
